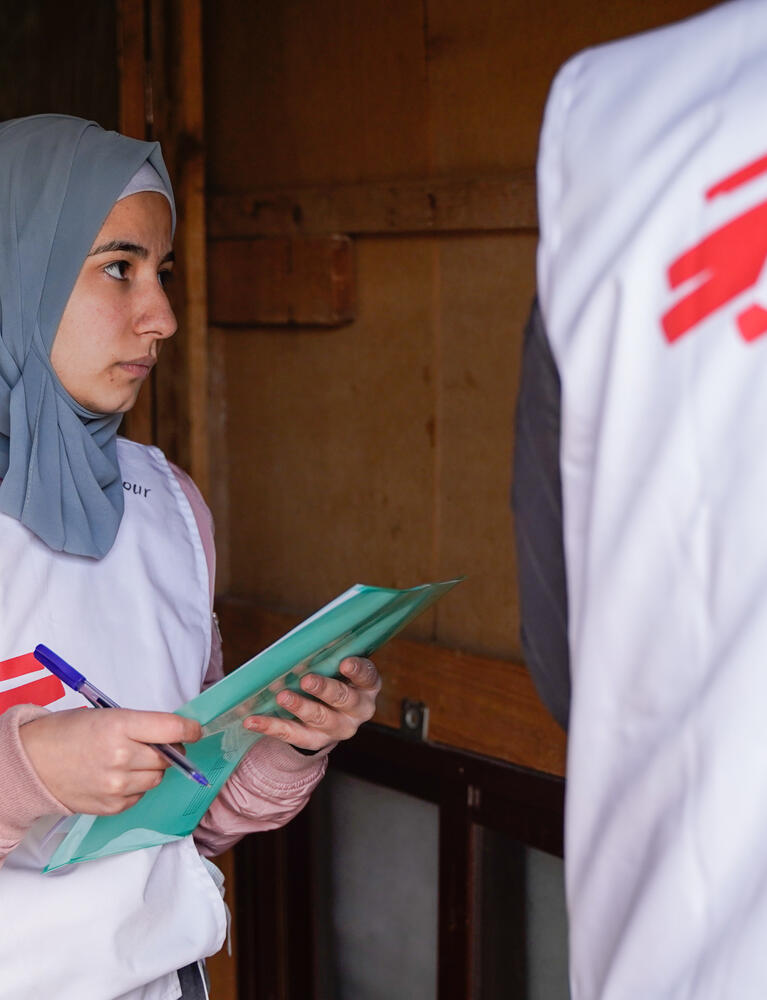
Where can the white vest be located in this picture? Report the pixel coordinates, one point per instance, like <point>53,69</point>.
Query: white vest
<point>653,205</point>
<point>137,624</point>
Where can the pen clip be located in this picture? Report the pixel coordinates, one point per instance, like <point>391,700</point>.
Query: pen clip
<point>63,670</point>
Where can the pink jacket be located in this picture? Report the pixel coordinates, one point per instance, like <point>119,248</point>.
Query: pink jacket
<point>272,783</point>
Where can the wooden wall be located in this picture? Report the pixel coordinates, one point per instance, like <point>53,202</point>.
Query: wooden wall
<point>59,57</point>
<point>379,450</point>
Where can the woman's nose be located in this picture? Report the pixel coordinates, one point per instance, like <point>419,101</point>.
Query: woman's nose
<point>156,315</point>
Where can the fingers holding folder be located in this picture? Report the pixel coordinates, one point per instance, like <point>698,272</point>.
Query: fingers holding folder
<point>334,710</point>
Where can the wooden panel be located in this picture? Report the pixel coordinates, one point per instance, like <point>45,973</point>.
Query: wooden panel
<point>322,280</point>
<point>275,916</point>
<point>131,47</point>
<point>476,703</point>
<point>249,278</point>
<point>490,64</point>
<point>331,442</point>
<point>304,93</point>
<point>306,280</point>
<point>337,92</point>
<point>57,57</point>
<point>486,287</point>
<point>437,204</point>
<point>222,967</point>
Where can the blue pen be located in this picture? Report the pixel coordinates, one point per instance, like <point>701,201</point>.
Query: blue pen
<point>74,679</point>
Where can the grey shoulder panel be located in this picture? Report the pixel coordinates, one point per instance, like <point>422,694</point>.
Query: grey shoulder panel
<point>537,504</point>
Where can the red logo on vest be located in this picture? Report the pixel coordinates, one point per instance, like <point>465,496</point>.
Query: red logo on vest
<point>41,691</point>
<point>726,263</point>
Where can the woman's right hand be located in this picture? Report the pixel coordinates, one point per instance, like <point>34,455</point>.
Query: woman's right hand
<point>99,761</point>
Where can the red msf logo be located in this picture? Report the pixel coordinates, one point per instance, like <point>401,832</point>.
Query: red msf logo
<point>41,691</point>
<point>726,263</point>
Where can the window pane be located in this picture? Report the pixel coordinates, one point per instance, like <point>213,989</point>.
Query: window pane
<point>377,869</point>
<point>520,922</point>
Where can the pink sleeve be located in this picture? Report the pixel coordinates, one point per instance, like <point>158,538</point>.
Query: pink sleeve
<point>23,797</point>
<point>271,785</point>
<point>204,521</point>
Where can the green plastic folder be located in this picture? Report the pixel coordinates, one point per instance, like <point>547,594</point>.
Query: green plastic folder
<point>356,623</point>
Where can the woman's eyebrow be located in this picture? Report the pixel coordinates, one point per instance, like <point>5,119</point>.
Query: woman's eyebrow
<point>120,246</point>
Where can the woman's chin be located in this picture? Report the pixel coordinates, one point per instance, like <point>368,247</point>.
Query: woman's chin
<point>109,406</point>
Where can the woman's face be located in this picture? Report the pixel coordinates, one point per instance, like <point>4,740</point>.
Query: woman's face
<point>118,314</point>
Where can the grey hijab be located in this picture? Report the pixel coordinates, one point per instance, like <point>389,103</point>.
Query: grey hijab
<point>59,178</point>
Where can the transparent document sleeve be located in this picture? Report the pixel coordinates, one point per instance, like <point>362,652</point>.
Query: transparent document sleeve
<point>355,624</point>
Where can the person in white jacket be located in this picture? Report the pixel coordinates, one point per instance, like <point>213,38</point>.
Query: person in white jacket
<point>647,361</point>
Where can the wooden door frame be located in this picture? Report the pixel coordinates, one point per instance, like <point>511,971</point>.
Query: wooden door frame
<point>161,97</point>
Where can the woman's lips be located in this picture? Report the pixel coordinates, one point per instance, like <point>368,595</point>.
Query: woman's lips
<point>139,367</point>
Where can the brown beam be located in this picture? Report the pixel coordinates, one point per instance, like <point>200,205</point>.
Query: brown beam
<point>190,166</point>
<point>177,120</point>
<point>437,204</point>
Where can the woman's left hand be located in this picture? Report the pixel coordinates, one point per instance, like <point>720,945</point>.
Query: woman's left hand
<point>340,708</point>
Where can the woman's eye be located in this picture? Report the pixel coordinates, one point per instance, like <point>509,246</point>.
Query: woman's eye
<point>117,269</point>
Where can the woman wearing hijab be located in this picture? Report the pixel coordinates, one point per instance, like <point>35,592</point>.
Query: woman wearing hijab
<point>106,554</point>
